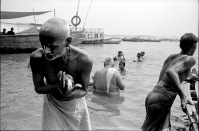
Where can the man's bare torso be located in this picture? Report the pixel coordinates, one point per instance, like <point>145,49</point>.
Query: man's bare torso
<point>50,70</point>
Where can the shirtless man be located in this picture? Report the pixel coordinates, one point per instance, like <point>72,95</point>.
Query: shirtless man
<point>139,57</point>
<point>108,81</point>
<point>63,109</point>
<point>142,54</point>
<point>175,70</point>
<point>119,57</point>
<point>122,69</point>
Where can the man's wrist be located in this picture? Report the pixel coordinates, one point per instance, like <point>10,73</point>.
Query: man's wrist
<point>183,97</point>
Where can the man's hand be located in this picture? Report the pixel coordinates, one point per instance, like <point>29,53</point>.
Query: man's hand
<point>65,83</point>
<point>192,78</point>
<point>185,101</point>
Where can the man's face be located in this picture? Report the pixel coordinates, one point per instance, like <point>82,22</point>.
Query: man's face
<point>194,49</point>
<point>120,54</point>
<point>53,47</point>
<point>138,55</point>
<point>53,39</point>
<point>121,66</point>
<point>142,53</point>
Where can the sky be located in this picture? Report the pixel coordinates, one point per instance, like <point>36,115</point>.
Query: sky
<point>116,17</point>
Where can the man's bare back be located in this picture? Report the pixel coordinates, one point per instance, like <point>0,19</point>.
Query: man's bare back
<point>173,61</point>
<point>176,69</point>
<point>100,80</point>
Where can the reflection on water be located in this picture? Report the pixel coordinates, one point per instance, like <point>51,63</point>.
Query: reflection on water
<point>21,107</point>
<point>108,104</point>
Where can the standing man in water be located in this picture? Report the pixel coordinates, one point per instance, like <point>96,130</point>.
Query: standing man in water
<point>120,56</point>
<point>175,70</point>
<point>122,69</point>
<point>108,81</point>
<point>64,106</point>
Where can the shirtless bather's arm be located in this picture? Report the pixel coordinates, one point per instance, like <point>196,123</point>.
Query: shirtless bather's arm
<point>37,75</point>
<point>173,74</point>
<point>86,66</point>
<point>120,84</point>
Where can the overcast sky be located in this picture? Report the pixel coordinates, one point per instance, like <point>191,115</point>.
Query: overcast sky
<point>125,17</point>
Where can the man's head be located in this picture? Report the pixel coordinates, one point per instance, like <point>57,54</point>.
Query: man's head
<point>55,37</point>
<point>188,43</point>
<point>120,53</point>
<point>142,53</point>
<point>12,29</point>
<point>121,64</point>
<point>138,55</point>
<point>109,62</point>
<point>4,30</point>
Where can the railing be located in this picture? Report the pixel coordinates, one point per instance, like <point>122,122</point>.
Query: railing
<point>94,33</point>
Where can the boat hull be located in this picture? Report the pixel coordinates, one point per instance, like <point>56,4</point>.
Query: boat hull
<point>29,42</point>
<point>92,41</point>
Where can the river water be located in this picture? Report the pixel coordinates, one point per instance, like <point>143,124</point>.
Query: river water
<point>21,107</point>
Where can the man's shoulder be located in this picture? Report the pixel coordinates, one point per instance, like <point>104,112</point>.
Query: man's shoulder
<point>172,56</point>
<point>37,53</point>
<point>83,56</point>
<point>190,60</point>
<point>100,71</point>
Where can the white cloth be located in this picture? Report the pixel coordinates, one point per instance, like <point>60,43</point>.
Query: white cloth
<point>65,115</point>
<point>109,76</point>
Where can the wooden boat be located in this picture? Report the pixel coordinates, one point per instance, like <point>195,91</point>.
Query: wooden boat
<point>191,91</point>
<point>111,41</point>
<point>140,40</point>
<point>28,41</point>
<point>93,36</point>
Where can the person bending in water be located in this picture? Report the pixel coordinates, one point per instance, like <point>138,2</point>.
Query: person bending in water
<point>119,57</point>
<point>64,106</point>
<point>139,58</point>
<point>108,81</point>
<point>175,70</point>
<point>142,54</point>
<point>122,69</point>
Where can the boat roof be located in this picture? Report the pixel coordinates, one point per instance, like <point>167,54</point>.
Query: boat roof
<point>12,15</point>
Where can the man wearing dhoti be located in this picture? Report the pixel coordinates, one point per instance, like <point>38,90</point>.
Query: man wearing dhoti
<point>61,72</point>
<point>175,70</point>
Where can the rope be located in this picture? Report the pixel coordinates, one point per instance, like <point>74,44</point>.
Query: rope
<point>87,13</point>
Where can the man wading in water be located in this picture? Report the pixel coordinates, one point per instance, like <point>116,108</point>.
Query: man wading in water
<point>58,62</point>
<point>175,70</point>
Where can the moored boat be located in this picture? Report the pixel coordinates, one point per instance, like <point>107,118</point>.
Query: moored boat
<point>28,40</point>
<point>93,36</point>
<point>140,40</point>
<point>26,43</point>
<point>111,41</point>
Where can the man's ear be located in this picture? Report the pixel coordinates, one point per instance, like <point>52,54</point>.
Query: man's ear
<point>69,40</point>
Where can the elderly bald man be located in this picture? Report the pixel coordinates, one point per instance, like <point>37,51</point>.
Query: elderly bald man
<point>61,72</point>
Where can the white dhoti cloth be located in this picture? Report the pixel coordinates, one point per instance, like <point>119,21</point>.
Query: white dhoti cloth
<point>65,115</point>
<point>109,76</point>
